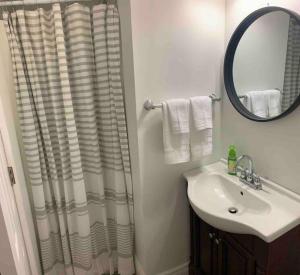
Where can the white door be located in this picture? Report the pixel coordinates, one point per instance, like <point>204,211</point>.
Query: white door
<point>7,264</point>
<point>10,224</point>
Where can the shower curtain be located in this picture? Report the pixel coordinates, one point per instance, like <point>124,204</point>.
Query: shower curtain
<point>70,101</point>
<point>291,86</point>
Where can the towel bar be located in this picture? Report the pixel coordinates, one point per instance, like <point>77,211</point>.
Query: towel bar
<point>149,105</point>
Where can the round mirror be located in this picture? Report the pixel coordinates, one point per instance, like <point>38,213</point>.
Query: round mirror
<point>262,64</point>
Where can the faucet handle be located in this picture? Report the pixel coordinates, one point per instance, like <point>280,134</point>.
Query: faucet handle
<point>257,182</point>
<point>256,178</point>
<point>249,175</point>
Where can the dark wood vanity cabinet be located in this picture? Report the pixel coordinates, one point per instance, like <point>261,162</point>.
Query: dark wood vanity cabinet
<point>232,258</point>
<point>215,252</point>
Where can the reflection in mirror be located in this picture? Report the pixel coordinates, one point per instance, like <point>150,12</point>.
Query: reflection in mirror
<point>266,68</point>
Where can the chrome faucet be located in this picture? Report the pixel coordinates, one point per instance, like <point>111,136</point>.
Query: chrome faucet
<point>247,175</point>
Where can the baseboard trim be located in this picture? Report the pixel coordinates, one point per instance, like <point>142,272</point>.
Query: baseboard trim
<point>178,270</point>
<point>182,269</point>
<point>138,267</point>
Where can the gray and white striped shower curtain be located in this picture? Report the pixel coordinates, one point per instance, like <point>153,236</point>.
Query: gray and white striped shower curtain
<point>70,101</point>
<point>291,86</point>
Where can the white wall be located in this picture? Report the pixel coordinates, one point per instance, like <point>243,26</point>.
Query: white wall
<point>259,61</point>
<point>178,49</point>
<point>274,146</point>
<point>129,88</point>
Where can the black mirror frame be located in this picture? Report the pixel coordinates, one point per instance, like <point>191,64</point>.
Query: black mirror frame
<point>229,58</point>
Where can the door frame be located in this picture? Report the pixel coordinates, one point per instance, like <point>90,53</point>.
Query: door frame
<point>14,201</point>
<point>11,217</point>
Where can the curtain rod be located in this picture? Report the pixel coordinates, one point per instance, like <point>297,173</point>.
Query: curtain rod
<point>22,3</point>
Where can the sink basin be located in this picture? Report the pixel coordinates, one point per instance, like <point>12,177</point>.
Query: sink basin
<point>227,204</point>
<point>221,194</point>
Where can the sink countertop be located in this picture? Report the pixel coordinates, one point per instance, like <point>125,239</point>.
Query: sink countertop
<point>267,213</point>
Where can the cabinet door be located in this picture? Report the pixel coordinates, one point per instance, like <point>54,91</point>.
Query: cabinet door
<point>259,271</point>
<point>203,251</point>
<point>232,258</point>
<point>195,243</point>
<point>207,257</point>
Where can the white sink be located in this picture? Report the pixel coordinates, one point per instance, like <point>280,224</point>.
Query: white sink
<point>267,213</point>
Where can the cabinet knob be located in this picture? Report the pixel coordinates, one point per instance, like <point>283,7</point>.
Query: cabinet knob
<point>218,241</point>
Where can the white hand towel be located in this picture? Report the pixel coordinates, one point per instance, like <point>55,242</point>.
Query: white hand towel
<point>179,115</point>
<point>274,102</point>
<point>201,128</point>
<point>202,112</point>
<point>246,102</point>
<point>176,146</point>
<point>201,144</point>
<point>258,103</point>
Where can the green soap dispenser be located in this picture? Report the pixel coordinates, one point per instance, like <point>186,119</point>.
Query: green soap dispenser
<point>232,159</point>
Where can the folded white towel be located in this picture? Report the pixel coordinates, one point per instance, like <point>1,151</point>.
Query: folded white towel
<point>246,101</point>
<point>179,115</point>
<point>202,112</point>
<point>258,103</point>
<point>176,146</point>
<point>274,102</point>
<point>201,128</point>
<point>201,144</point>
